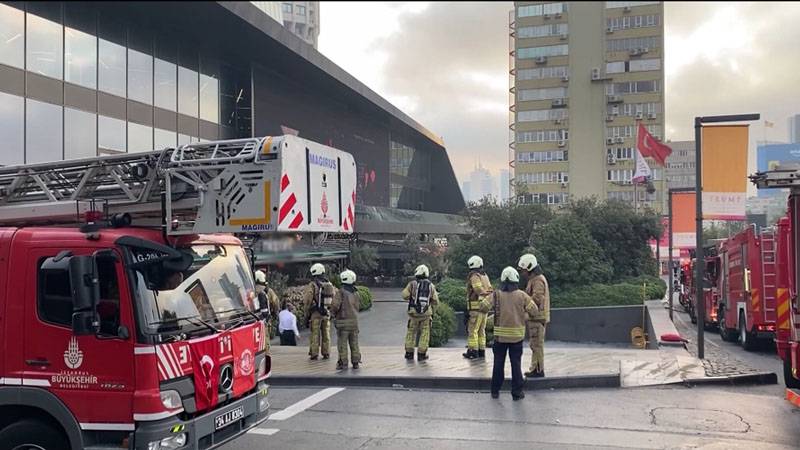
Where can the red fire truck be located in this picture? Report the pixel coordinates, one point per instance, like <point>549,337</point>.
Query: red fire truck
<point>123,322</point>
<point>748,279</point>
<point>711,288</point>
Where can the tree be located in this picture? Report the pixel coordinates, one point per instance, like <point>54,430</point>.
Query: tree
<point>420,251</point>
<point>568,254</point>
<point>721,230</point>
<point>363,259</point>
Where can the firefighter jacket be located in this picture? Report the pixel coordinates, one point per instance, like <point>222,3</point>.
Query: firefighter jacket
<point>415,293</point>
<point>344,309</point>
<point>478,287</point>
<point>268,304</point>
<point>317,298</point>
<point>539,291</point>
<point>511,310</point>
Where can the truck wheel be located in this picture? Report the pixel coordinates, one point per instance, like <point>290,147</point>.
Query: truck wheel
<point>747,340</point>
<point>788,378</point>
<point>32,434</point>
<point>724,332</point>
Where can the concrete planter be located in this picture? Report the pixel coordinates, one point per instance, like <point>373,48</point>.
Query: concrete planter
<point>461,328</point>
<point>601,324</point>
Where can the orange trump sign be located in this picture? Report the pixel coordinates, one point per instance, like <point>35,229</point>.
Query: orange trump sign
<point>724,181</point>
<point>684,233</point>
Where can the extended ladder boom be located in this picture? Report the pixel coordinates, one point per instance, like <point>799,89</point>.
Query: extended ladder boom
<point>781,177</point>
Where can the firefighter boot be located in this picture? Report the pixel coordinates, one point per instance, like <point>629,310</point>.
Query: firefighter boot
<point>535,374</point>
<point>409,355</point>
<point>342,365</point>
<point>518,396</point>
<point>421,356</point>
<point>355,365</point>
<point>482,354</point>
<point>471,354</point>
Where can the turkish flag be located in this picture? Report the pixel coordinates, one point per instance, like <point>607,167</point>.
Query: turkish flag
<point>244,359</point>
<point>649,146</point>
<point>205,363</point>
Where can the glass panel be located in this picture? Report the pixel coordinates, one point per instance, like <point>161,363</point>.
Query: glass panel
<point>140,138</point>
<point>12,33</point>
<point>111,134</point>
<point>80,55</point>
<point>12,133</point>
<point>80,134</point>
<point>111,66</point>
<point>44,132</point>
<point>165,139</point>
<point>209,98</point>
<point>140,77</point>
<point>183,139</point>
<point>187,91</point>
<point>165,85</point>
<point>44,47</point>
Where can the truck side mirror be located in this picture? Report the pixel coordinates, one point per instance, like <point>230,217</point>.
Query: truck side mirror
<point>85,294</point>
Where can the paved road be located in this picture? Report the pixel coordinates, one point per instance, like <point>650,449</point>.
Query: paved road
<point>674,417</point>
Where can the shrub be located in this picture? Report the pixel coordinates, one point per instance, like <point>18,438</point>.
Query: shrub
<point>443,326</point>
<point>597,295</point>
<point>656,287</point>
<point>365,295</point>
<point>453,293</point>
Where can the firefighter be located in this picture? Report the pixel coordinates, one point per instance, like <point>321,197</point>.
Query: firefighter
<point>511,310</point>
<point>537,288</point>
<point>268,302</point>
<point>344,311</point>
<point>478,287</point>
<point>422,297</point>
<point>317,298</point>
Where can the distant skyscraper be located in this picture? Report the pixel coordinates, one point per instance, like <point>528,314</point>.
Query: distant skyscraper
<point>466,191</point>
<point>504,187</point>
<point>301,18</point>
<point>794,129</point>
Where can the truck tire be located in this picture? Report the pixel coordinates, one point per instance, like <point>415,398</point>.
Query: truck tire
<point>31,434</point>
<point>788,378</point>
<point>746,339</point>
<point>724,332</point>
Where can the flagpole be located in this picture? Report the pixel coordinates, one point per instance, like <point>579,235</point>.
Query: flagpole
<point>635,168</point>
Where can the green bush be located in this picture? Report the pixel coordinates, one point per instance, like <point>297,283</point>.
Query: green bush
<point>656,287</point>
<point>365,296</point>
<point>443,326</point>
<point>597,295</point>
<point>453,293</point>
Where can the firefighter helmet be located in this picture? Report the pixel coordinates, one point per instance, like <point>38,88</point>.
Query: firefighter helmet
<point>422,271</point>
<point>527,262</point>
<point>475,262</point>
<point>317,270</point>
<point>261,278</point>
<point>509,275</point>
<point>348,277</point>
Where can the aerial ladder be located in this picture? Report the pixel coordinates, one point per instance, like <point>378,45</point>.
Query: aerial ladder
<point>251,185</point>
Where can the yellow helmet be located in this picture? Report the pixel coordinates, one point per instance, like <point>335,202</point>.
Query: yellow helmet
<point>422,271</point>
<point>348,277</point>
<point>475,262</point>
<point>527,262</point>
<point>317,269</point>
<point>509,275</point>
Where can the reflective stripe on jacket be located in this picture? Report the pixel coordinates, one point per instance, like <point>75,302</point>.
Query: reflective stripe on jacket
<point>411,290</point>
<point>511,309</point>
<point>539,290</point>
<point>344,309</point>
<point>478,287</point>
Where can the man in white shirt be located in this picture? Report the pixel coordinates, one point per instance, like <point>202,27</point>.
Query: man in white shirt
<point>287,325</point>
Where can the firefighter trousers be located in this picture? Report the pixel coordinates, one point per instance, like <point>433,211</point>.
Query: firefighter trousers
<point>345,339</point>
<point>476,331</point>
<point>421,325</point>
<point>320,337</point>
<point>536,332</point>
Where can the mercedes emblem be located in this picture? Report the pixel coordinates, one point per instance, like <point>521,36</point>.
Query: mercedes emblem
<point>226,378</point>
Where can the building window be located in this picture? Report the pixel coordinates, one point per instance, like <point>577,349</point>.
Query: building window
<point>140,138</point>
<point>632,87</point>
<point>111,134</point>
<point>80,134</point>
<point>209,98</point>
<point>111,68</point>
<point>546,198</point>
<point>43,128</point>
<point>620,153</point>
<point>164,139</point>
<point>625,196</point>
<point>12,36</point>
<point>620,176</point>
<point>542,136</point>
<point>636,65</point>
<point>547,50</point>
<point>542,115</point>
<point>400,158</point>
<point>165,85</point>
<point>140,77</point>
<point>80,58</point>
<point>554,29</point>
<point>44,48</point>
<point>541,9</point>
<point>187,91</point>
<point>301,10</point>
<point>623,23</point>
<point>12,131</point>
<point>627,131</point>
<point>541,94</point>
<point>543,157</point>
<point>542,73</point>
<point>287,8</point>
<point>611,5</point>
<point>543,177</point>
<point>624,45</point>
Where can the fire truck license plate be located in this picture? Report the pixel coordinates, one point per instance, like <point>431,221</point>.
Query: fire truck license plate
<point>223,420</point>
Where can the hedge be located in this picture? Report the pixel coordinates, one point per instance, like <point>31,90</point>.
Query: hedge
<point>365,295</point>
<point>606,295</point>
<point>453,293</point>
<point>443,326</point>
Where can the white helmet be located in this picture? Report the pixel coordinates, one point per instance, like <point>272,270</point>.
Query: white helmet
<point>509,274</point>
<point>422,271</point>
<point>317,270</point>
<point>348,277</point>
<point>527,262</point>
<point>261,277</point>
<point>475,262</point>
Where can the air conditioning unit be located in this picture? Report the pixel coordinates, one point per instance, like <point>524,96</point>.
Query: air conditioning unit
<point>639,116</point>
<point>627,9</point>
<point>619,140</point>
<point>609,141</point>
<point>562,143</point>
<point>563,184</point>
<point>635,52</point>
<point>596,74</point>
<point>609,118</point>
<point>615,110</point>
<point>609,30</point>
<point>564,36</point>
<point>611,159</point>
<point>614,99</point>
<point>565,78</point>
<point>644,50</point>
<point>546,17</point>
<point>557,15</point>
<point>558,121</point>
<point>651,116</point>
<point>541,59</point>
<point>559,102</point>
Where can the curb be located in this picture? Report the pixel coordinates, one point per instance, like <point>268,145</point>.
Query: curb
<point>761,378</point>
<point>446,383</point>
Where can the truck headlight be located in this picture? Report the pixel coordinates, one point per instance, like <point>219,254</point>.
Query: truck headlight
<point>168,443</point>
<point>262,369</point>
<point>171,399</point>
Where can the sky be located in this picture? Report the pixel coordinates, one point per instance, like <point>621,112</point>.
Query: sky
<point>446,65</point>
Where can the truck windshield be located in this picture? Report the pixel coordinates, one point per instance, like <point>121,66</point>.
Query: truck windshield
<point>215,289</point>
